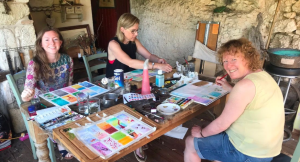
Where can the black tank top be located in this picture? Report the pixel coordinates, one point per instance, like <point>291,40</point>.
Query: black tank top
<point>130,50</point>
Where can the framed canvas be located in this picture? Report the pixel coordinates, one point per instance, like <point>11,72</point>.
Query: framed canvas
<point>72,32</point>
<point>107,3</point>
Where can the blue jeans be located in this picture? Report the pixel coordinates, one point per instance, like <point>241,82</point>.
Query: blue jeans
<point>218,147</point>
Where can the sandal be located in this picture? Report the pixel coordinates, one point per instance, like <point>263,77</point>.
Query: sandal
<point>140,155</point>
<point>65,155</point>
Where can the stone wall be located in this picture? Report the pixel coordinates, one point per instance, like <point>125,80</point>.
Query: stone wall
<point>16,30</point>
<point>168,27</point>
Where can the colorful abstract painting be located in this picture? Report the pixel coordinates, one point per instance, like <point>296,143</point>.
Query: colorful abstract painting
<point>68,95</point>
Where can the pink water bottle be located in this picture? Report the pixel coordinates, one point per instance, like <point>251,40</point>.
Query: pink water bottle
<point>145,82</point>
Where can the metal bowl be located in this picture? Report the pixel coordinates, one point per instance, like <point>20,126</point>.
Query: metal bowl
<point>285,57</point>
<point>109,99</point>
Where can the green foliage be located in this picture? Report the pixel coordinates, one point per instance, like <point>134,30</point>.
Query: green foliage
<point>220,9</point>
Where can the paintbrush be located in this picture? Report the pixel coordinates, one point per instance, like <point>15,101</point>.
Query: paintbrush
<point>223,76</point>
<point>147,113</point>
<point>185,61</point>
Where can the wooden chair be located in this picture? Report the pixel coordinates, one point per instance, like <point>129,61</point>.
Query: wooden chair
<point>16,83</point>
<point>89,68</point>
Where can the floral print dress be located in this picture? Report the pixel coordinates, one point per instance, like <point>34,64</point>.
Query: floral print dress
<point>63,70</point>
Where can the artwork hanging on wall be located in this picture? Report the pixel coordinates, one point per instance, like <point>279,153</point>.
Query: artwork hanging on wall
<point>72,32</point>
<point>107,3</point>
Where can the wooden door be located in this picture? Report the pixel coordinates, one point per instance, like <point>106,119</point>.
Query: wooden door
<point>108,18</point>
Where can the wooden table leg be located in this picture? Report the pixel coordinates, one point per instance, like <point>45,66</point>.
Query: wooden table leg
<point>40,141</point>
<point>42,151</point>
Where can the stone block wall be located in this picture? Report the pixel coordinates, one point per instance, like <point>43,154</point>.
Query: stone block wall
<point>168,27</point>
<point>16,30</point>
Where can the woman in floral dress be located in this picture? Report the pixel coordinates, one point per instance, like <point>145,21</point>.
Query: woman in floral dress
<point>49,69</point>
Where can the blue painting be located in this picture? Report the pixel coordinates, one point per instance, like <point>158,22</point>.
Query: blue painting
<point>98,89</point>
<point>215,94</point>
<point>60,102</point>
<point>86,84</point>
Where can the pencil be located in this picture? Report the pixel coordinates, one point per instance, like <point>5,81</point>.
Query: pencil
<point>223,76</point>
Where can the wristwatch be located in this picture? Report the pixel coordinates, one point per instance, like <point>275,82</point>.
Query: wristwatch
<point>153,65</point>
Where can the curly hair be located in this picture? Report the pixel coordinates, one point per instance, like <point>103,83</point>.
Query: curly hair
<point>126,21</point>
<point>41,61</point>
<point>243,46</point>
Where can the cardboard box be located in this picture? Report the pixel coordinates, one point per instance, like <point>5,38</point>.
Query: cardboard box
<point>70,10</point>
<point>78,9</point>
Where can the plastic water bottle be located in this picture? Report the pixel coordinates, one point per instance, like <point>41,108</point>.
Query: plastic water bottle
<point>160,79</point>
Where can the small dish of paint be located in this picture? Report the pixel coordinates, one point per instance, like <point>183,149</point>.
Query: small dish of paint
<point>168,108</point>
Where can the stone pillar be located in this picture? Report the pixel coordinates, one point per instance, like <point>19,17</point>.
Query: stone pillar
<point>16,33</point>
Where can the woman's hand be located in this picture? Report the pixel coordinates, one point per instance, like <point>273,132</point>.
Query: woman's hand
<point>223,82</point>
<point>165,67</point>
<point>162,61</point>
<point>27,94</point>
<point>196,131</point>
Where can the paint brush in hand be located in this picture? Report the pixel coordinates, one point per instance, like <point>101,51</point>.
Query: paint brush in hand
<point>185,61</point>
<point>223,76</point>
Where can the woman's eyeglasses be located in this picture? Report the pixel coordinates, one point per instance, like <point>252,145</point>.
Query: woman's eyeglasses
<point>133,31</point>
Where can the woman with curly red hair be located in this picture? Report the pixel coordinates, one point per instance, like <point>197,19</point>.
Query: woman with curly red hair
<point>251,125</point>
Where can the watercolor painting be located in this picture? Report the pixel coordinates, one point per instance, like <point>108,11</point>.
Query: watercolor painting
<point>86,84</point>
<point>215,94</point>
<point>112,143</point>
<point>69,89</point>
<point>76,86</point>
<point>137,75</point>
<point>93,129</point>
<point>125,140</point>
<point>60,102</point>
<point>117,136</point>
<point>49,96</point>
<point>90,92</point>
<point>75,94</point>
<point>125,118</point>
<point>69,98</point>
<point>68,95</point>
<point>140,128</point>
<point>102,149</point>
<point>101,135</point>
<point>116,123</point>
<point>107,140</point>
<point>90,140</point>
<point>98,89</point>
<point>103,125</point>
<point>60,93</point>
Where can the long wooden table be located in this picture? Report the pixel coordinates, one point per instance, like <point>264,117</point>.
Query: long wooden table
<point>39,136</point>
<point>83,154</point>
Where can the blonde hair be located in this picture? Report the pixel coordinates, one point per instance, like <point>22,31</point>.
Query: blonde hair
<point>126,21</point>
<point>41,61</point>
<point>245,47</point>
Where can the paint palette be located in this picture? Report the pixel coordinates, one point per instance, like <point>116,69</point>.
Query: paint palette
<point>113,133</point>
<point>67,95</point>
<point>168,108</point>
<point>182,102</point>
